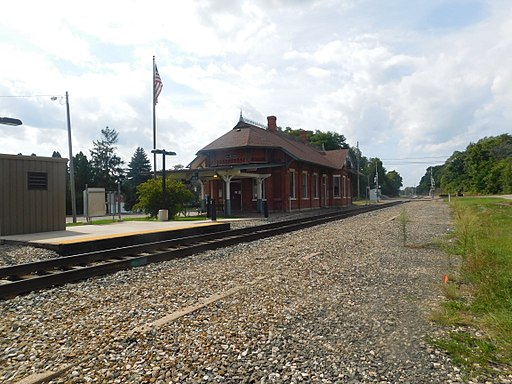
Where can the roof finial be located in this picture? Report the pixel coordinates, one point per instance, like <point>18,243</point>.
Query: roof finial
<point>241,117</point>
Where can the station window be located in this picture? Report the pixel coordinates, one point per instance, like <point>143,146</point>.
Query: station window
<point>305,189</point>
<point>293,194</point>
<point>336,186</point>
<point>315,186</point>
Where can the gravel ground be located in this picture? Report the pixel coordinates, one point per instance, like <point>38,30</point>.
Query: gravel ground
<point>344,302</point>
<point>16,254</point>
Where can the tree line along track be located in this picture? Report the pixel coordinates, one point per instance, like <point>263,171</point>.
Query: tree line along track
<point>22,278</point>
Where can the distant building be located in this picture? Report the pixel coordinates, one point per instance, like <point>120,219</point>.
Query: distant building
<point>374,194</point>
<point>32,194</point>
<point>252,164</point>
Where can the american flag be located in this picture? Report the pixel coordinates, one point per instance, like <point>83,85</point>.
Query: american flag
<point>157,84</point>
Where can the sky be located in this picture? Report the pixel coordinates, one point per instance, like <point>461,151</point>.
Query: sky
<point>410,81</point>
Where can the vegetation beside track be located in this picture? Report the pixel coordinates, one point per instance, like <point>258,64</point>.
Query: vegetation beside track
<point>150,219</point>
<point>479,293</point>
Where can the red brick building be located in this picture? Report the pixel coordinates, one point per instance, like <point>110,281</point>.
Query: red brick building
<point>251,164</point>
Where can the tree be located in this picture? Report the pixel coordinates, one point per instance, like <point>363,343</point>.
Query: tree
<point>356,154</point>
<point>425,183</point>
<point>106,165</point>
<point>325,140</point>
<point>453,177</point>
<point>369,171</point>
<point>392,183</point>
<point>83,178</point>
<point>56,154</point>
<point>139,171</point>
<point>484,167</point>
<point>151,199</point>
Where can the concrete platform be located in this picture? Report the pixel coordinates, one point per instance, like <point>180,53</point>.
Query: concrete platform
<point>91,237</point>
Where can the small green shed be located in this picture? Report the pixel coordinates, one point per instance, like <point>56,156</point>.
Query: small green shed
<point>32,194</point>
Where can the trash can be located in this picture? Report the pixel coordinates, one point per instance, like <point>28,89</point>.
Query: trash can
<point>163,215</point>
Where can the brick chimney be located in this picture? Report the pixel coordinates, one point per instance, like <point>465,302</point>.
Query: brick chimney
<point>303,136</point>
<point>272,123</point>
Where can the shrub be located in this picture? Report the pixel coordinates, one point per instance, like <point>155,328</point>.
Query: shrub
<point>151,198</point>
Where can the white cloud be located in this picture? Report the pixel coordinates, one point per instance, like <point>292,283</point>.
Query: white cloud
<point>377,73</point>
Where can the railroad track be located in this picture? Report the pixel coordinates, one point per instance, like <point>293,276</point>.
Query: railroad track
<point>22,278</point>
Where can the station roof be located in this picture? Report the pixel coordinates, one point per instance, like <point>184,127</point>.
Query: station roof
<point>246,135</point>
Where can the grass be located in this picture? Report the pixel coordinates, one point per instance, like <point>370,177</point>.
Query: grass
<point>116,220</point>
<point>109,221</point>
<point>479,295</point>
<point>404,219</point>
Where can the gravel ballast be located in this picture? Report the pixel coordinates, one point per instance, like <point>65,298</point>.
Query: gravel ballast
<point>343,302</point>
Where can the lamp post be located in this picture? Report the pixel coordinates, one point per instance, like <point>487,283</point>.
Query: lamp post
<point>164,153</point>
<point>71,162</point>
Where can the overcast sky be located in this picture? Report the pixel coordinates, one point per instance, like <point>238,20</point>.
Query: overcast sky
<point>410,80</point>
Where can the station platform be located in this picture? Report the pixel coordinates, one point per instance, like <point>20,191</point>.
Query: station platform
<point>93,237</point>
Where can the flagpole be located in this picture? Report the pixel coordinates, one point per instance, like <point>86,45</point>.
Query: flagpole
<point>154,121</point>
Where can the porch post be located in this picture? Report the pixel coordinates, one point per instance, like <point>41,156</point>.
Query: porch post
<point>227,208</point>
<point>259,194</point>
<point>201,184</point>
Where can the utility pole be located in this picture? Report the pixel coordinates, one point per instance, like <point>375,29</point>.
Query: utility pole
<point>358,158</point>
<point>368,202</point>
<point>432,184</point>
<point>376,181</point>
<point>71,163</point>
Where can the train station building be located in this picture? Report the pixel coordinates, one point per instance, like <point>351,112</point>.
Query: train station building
<point>254,165</point>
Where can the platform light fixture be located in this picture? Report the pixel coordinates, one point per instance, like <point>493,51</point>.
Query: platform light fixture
<point>164,153</point>
<point>10,121</point>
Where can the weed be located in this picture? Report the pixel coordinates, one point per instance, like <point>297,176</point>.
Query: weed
<point>470,352</point>
<point>452,291</point>
<point>466,229</point>
<point>403,220</point>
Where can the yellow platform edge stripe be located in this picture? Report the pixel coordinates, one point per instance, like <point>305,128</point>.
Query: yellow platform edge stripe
<point>125,234</point>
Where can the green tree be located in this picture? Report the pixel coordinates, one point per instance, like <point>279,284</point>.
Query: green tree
<point>151,199</point>
<point>356,154</point>
<point>83,178</point>
<point>369,171</point>
<point>425,183</point>
<point>499,178</point>
<point>392,183</point>
<point>481,163</point>
<point>326,140</point>
<point>453,177</point>
<point>484,167</point>
<point>106,166</point>
<point>139,171</point>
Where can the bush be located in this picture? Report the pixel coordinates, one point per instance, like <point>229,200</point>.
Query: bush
<point>151,199</point>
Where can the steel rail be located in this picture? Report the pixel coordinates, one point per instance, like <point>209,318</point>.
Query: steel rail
<point>22,278</point>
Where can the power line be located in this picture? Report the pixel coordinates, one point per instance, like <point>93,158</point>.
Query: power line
<point>25,96</point>
<point>419,158</point>
<point>415,162</point>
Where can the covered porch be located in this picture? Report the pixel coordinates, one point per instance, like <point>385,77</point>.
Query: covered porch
<point>227,186</point>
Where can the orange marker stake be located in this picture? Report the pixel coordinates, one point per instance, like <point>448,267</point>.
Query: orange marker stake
<point>445,279</point>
